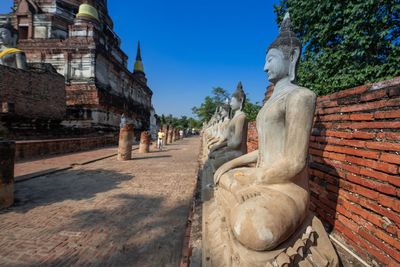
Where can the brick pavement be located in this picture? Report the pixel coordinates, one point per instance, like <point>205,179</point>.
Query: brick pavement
<point>105,213</point>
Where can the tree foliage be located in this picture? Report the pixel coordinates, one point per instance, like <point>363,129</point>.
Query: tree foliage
<point>346,43</point>
<point>219,95</point>
<point>181,123</point>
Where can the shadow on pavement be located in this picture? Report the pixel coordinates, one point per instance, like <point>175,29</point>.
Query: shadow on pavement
<point>73,184</point>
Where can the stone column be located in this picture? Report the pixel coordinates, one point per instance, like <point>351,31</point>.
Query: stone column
<point>125,142</point>
<point>144,146</point>
<point>169,139</point>
<point>7,155</point>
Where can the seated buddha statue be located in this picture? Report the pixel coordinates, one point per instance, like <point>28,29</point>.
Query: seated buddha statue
<point>221,126</point>
<point>265,204</point>
<point>9,55</point>
<point>233,142</point>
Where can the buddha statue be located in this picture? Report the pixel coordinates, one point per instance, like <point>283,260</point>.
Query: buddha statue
<point>221,126</point>
<point>9,55</point>
<point>259,214</point>
<point>271,199</point>
<point>234,141</point>
<point>230,143</point>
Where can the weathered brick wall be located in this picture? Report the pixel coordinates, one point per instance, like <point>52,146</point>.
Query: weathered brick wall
<point>354,168</point>
<point>36,95</point>
<point>37,148</point>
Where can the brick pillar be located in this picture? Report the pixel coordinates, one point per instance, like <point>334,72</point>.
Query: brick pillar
<point>174,135</point>
<point>165,130</point>
<point>125,142</point>
<point>7,155</point>
<point>144,146</point>
<point>169,139</point>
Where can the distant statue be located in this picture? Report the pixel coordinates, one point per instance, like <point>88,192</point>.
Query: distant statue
<point>10,55</point>
<point>234,141</point>
<point>123,121</point>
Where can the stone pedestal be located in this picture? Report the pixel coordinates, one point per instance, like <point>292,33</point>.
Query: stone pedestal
<point>7,155</point>
<point>144,146</point>
<point>125,142</point>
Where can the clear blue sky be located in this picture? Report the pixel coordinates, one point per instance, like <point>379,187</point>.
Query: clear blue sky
<point>188,47</point>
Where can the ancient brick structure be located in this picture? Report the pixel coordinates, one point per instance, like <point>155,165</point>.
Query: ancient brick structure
<point>354,168</point>
<point>31,100</point>
<point>79,41</point>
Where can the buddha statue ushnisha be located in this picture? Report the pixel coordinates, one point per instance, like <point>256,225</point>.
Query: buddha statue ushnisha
<point>9,55</point>
<point>265,204</point>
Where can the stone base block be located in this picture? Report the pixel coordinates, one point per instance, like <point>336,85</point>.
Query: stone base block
<point>6,195</point>
<point>309,246</point>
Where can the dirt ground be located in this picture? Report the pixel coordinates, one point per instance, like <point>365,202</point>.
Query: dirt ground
<point>106,213</point>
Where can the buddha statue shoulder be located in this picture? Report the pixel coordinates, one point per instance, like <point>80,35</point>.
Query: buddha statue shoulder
<point>265,204</point>
<point>10,55</point>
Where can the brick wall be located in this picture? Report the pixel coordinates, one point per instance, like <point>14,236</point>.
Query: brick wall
<point>354,168</point>
<point>33,94</point>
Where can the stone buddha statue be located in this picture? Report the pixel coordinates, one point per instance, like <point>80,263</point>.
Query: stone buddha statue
<point>231,143</point>
<point>234,141</point>
<point>221,126</point>
<point>9,55</point>
<point>262,197</point>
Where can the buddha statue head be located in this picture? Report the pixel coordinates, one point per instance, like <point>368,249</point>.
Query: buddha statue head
<point>8,36</point>
<point>283,54</point>
<point>238,98</point>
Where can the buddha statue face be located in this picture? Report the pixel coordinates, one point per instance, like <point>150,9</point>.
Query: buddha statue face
<point>276,65</point>
<point>6,37</point>
<point>235,103</point>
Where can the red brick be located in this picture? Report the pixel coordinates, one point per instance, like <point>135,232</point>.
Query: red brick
<point>369,125</point>
<point>334,117</point>
<point>389,202</point>
<point>352,151</point>
<point>362,117</point>
<point>383,188</point>
<point>385,237</point>
<point>325,104</point>
<point>378,94</point>
<point>381,166</point>
<point>363,135</point>
<point>383,146</point>
<point>350,92</point>
<point>392,158</point>
<point>389,136</point>
<point>379,244</point>
<point>387,114</point>
<point>363,107</point>
<point>347,135</point>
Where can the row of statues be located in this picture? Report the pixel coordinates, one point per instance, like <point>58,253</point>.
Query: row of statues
<point>10,55</point>
<point>255,207</point>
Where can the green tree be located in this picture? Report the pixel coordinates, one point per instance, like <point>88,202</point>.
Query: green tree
<point>251,110</point>
<point>207,108</point>
<point>346,43</point>
<point>219,96</point>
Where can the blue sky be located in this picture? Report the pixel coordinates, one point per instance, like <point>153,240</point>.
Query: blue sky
<point>188,47</point>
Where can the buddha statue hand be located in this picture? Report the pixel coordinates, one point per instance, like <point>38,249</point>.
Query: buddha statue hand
<point>221,171</point>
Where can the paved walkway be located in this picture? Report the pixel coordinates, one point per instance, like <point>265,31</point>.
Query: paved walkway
<point>32,168</point>
<point>106,213</point>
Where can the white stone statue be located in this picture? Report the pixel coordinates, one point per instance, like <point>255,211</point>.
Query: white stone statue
<point>262,198</point>
<point>10,55</point>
